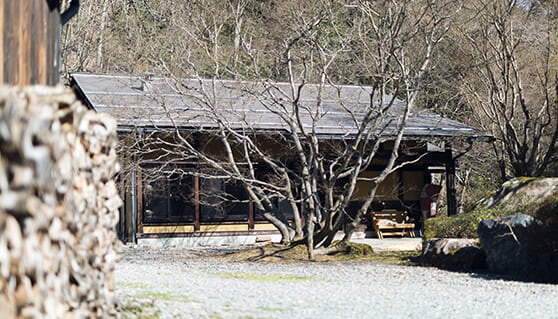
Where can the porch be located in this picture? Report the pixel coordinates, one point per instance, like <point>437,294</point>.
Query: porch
<point>388,244</point>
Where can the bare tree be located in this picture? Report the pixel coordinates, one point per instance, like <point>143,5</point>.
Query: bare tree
<point>513,85</point>
<point>82,39</point>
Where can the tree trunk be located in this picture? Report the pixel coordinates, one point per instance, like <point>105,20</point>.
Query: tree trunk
<point>310,234</point>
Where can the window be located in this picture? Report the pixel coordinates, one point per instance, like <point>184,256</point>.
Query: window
<point>282,205</point>
<point>169,198</point>
<point>222,200</point>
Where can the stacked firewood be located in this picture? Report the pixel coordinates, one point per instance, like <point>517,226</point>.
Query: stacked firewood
<point>58,206</point>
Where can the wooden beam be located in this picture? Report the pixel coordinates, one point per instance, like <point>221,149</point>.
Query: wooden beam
<point>251,215</point>
<point>24,43</point>
<point>208,234</point>
<point>53,35</point>
<point>122,219</point>
<point>2,35</point>
<point>11,44</point>
<point>140,201</point>
<point>34,38</point>
<point>197,202</point>
<point>450,186</point>
<point>42,36</point>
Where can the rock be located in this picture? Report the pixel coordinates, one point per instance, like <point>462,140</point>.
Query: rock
<point>445,246</point>
<point>454,254</point>
<point>504,241</point>
<point>522,190</point>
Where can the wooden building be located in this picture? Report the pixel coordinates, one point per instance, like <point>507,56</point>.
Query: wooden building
<point>172,206</point>
<point>30,40</point>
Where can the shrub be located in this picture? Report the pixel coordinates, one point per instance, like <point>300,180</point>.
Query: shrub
<point>459,226</point>
<point>465,225</point>
<point>517,196</point>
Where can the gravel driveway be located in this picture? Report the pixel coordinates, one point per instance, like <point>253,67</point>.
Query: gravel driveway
<point>185,283</point>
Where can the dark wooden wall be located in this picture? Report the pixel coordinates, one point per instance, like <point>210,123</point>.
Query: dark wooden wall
<point>29,42</point>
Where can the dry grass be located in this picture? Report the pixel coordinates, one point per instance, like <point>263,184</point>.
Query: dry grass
<point>277,253</point>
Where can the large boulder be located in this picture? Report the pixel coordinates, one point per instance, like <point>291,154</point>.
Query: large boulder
<point>454,254</point>
<point>517,192</point>
<point>506,243</point>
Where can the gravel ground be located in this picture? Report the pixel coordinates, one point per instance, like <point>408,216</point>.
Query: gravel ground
<point>186,283</point>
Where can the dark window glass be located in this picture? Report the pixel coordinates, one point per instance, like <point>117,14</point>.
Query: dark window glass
<point>222,200</point>
<point>181,195</point>
<point>283,205</point>
<point>169,199</point>
<point>155,196</point>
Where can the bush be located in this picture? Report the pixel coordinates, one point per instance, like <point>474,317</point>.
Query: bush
<point>465,225</point>
<point>517,196</point>
<point>459,226</point>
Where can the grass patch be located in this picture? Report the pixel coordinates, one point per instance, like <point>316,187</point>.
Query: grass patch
<point>356,251</point>
<point>298,253</point>
<point>142,304</point>
<point>135,309</point>
<point>272,309</point>
<point>276,253</point>
<point>165,296</point>
<point>271,253</point>
<point>404,258</point>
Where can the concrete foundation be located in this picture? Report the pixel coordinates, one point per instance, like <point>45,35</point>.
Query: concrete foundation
<point>207,241</point>
<point>379,245</point>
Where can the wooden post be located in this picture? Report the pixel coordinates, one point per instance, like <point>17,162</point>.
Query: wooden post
<point>29,42</point>
<point>2,35</point>
<point>122,219</point>
<point>250,215</point>
<point>450,184</point>
<point>197,202</point>
<point>53,47</point>
<point>140,201</point>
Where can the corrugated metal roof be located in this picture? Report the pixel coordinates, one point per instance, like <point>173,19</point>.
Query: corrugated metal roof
<point>193,104</point>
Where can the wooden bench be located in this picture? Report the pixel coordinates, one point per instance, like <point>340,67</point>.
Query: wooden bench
<point>392,222</point>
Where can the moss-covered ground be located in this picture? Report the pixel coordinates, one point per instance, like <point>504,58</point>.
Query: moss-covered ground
<point>298,253</point>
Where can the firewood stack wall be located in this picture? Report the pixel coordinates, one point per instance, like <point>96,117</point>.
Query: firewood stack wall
<point>58,206</point>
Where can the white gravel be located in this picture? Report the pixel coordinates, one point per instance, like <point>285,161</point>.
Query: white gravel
<point>185,283</point>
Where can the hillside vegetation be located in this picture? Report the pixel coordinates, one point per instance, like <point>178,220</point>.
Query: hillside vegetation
<point>537,197</point>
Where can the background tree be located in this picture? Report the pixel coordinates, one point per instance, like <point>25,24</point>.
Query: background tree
<point>512,85</point>
<point>497,71</point>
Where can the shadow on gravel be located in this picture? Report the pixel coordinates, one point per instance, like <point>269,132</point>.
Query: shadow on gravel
<point>480,272</point>
<point>493,276</point>
<point>279,253</point>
